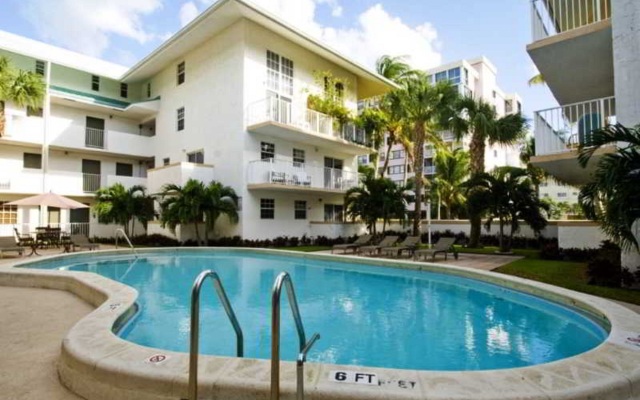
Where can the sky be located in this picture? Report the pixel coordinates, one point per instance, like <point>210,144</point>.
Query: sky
<point>427,32</point>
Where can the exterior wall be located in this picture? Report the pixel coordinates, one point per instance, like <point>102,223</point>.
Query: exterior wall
<point>626,56</point>
<point>559,193</point>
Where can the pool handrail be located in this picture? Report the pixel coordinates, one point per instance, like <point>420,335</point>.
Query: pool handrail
<point>304,346</point>
<point>120,230</point>
<point>194,334</point>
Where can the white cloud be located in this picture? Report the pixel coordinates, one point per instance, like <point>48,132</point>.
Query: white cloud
<point>188,12</point>
<point>86,25</point>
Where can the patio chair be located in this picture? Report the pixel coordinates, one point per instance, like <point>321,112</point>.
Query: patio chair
<point>443,245</point>
<point>8,243</point>
<point>359,242</point>
<point>386,242</point>
<point>23,240</point>
<point>82,242</point>
<point>409,244</point>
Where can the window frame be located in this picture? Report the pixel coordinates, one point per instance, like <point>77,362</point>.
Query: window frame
<point>181,73</point>
<point>95,83</point>
<point>40,68</point>
<point>120,165</point>
<point>267,208</point>
<point>124,90</point>
<point>197,155</point>
<point>31,157</point>
<point>8,214</point>
<point>166,161</point>
<point>267,151</point>
<point>300,209</point>
<point>299,159</point>
<point>180,119</point>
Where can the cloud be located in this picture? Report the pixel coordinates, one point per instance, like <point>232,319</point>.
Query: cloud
<point>188,12</point>
<point>87,25</point>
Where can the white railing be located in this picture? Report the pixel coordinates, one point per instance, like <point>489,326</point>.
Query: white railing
<point>563,129</point>
<point>429,170</point>
<point>552,17</point>
<point>91,182</point>
<point>95,138</point>
<point>72,228</point>
<point>299,116</point>
<point>299,174</point>
<point>447,136</point>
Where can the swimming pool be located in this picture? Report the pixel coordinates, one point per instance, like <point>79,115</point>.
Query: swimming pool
<point>367,316</point>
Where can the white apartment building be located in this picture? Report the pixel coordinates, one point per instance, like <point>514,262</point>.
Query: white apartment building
<point>223,99</point>
<point>588,51</point>
<point>476,77</point>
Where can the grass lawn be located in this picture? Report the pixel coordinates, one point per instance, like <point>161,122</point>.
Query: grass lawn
<point>570,275</point>
<point>305,249</point>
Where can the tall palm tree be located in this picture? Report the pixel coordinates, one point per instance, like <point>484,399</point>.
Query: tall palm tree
<point>479,119</point>
<point>394,68</point>
<point>117,205</point>
<point>452,168</point>
<point>537,174</point>
<point>612,197</point>
<point>507,194</point>
<point>22,88</point>
<point>219,200</point>
<point>426,110</point>
<point>183,205</point>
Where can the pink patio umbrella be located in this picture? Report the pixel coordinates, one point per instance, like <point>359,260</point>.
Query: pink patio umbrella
<point>49,200</point>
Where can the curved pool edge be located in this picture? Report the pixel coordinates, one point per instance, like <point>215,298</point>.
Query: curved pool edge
<point>97,364</point>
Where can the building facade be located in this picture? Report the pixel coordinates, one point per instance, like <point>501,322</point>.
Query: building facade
<point>223,99</point>
<point>589,55</point>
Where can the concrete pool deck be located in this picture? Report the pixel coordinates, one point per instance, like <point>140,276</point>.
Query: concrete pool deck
<point>553,379</point>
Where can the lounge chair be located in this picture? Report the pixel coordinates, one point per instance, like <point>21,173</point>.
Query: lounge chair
<point>443,245</point>
<point>359,242</point>
<point>409,244</point>
<point>82,242</point>
<point>8,243</point>
<point>386,242</point>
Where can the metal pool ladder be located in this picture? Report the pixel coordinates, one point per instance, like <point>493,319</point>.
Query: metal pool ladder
<point>133,250</point>
<point>304,346</point>
<point>195,326</point>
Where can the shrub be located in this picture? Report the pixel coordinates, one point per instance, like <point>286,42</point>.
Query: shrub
<point>604,269</point>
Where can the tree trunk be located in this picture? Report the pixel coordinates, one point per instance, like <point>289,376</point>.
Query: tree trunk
<point>133,226</point>
<point>197,233</point>
<point>418,161</point>
<point>386,161</point>
<point>501,236</point>
<point>448,212</point>
<point>476,151</point>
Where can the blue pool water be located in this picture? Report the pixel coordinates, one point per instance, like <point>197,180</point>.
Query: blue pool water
<point>371,316</point>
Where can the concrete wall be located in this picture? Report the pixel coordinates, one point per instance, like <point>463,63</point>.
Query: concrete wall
<point>626,65</point>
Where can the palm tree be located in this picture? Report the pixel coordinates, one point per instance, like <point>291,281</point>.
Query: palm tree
<point>425,109</point>
<point>22,88</point>
<point>183,205</point>
<point>537,80</point>
<point>452,168</point>
<point>537,174</point>
<point>508,195</point>
<point>612,197</point>
<point>479,119</point>
<point>394,68</point>
<point>117,205</point>
<point>219,200</point>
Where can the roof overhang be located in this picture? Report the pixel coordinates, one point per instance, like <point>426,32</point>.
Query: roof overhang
<point>138,110</point>
<point>225,13</point>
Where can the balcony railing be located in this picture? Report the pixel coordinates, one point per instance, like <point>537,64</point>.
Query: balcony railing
<point>94,138</point>
<point>298,116</point>
<point>429,170</point>
<point>552,17</point>
<point>563,129</point>
<point>91,182</point>
<point>300,174</point>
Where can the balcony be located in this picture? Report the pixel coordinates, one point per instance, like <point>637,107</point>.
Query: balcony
<point>289,176</point>
<point>560,131</point>
<point>429,170</point>
<point>295,122</point>
<point>566,35</point>
<point>105,141</point>
<point>126,181</point>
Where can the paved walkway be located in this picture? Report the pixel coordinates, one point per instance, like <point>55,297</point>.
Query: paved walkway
<point>33,323</point>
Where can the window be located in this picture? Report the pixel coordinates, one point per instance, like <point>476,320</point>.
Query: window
<point>181,73</point>
<point>494,94</point>
<point>466,77</point>
<point>300,209</point>
<point>124,90</point>
<point>454,75</point>
<point>495,153</point>
<point>340,90</point>
<point>279,74</point>
<point>508,106</point>
<point>34,112</point>
<point>441,76</point>
<point>333,212</point>
<point>8,214</point>
<point>40,67</point>
<point>123,169</point>
<point>396,169</point>
<point>197,157</point>
<point>298,157</point>
<point>267,151</point>
<point>180,116</point>
<point>267,208</point>
<point>95,82</point>
<point>149,89</point>
<point>574,193</point>
<point>396,154</point>
<point>519,106</point>
<point>363,160</point>
<point>166,161</point>
<point>32,161</point>
<point>562,194</point>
